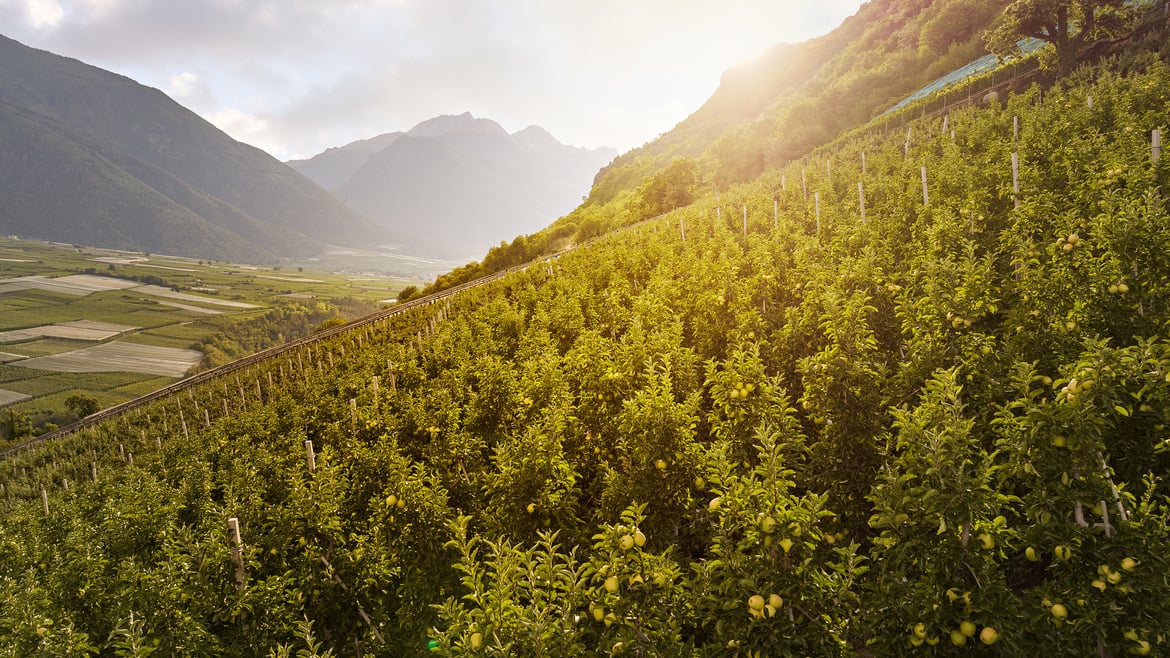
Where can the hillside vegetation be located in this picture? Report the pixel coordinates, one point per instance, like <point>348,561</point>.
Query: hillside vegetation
<point>789,100</point>
<point>772,424</point>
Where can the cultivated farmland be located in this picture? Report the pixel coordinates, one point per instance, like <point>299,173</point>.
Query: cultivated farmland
<point>119,356</point>
<point>113,325</point>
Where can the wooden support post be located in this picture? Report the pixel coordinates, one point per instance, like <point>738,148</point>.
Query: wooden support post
<point>804,183</point>
<point>775,214</point>
<point>817,206</point>
<point>65,484</point>
<point>225,407</point>
<point>259,393</point>
<point>1015,130</point>
<point>310,456</point>
<point>682,229</point>
<point>93,470</point>
<point>186,434</point>
<point>946,123</point>
<point>374,384</point>
<point>925,191</point>
<point>45,500</point>
<point>130,457</point>
<point>269,375</point>
<point>206,418</point>
<point>745,221</point>
<point>783,183</point>
<point>1016,178</point>
<point>353,414</point>
<point>158,441</point>
<point>861,199</point>
<point>1156,144</point>
<point>863,163</point>
<point>280,370</point>
<point>121,452</point>
<point>237,551</point>
<point>906,146</point>
<point>1089,102</point>
<point>829,169</point>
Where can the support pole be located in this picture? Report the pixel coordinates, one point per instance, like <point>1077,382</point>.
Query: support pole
<point>237,551</point>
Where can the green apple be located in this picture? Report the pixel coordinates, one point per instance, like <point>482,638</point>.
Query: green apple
<point>988,635</point>
<point>1059,611</point>
<point>967,628</point>
<point>957,638</point>
<point>756,602</point>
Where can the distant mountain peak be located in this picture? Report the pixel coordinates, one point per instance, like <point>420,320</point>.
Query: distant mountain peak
<point>452,124</point>
<point>535,137</point>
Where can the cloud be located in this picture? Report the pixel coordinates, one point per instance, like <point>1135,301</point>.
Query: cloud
<point>42,14</point>
<point>297,76</point>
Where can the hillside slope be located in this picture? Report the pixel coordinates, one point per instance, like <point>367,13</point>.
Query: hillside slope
<point>767,112</point>
<point>199,169</point>
<point>864,416</point>
<point>62,186</point>
<point>797,96</point>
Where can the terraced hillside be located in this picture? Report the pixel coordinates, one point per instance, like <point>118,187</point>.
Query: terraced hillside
<point>892,399</point>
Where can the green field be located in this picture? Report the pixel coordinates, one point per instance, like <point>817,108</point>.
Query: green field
<point>171,302</point>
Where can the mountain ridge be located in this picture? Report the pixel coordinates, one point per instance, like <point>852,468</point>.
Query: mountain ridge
<point>455,185</point>
<point>263,209</point>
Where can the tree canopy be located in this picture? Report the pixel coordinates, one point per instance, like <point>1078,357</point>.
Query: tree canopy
<point>1066,24</point>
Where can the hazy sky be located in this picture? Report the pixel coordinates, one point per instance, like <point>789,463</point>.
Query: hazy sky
<point>297,76</point>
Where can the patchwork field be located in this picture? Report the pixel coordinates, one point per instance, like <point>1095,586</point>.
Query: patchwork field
<point>76,330</point>
<point>114,325</point>
<point>119,357</point>
<point>8,397</point>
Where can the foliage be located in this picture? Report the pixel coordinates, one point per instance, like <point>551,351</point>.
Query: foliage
<point>82,405</point>
<point>1066,24</point>
<point>802,434</point>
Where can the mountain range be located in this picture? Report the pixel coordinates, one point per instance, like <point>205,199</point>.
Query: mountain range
<point>456,185</point>
<point>94,157</point>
